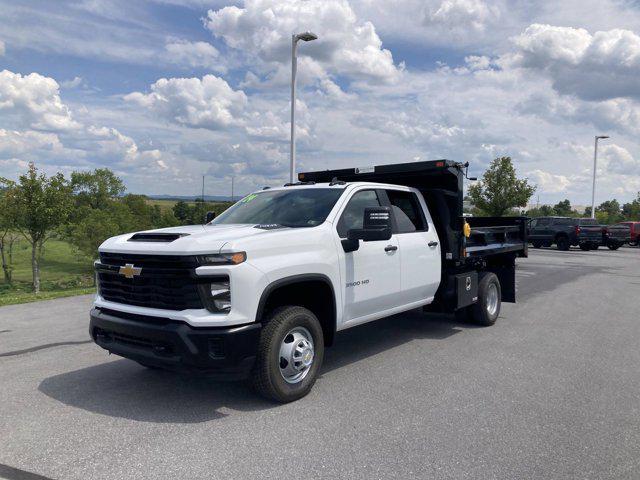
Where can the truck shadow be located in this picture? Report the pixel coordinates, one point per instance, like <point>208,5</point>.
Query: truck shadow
<point>124,389</point>
<point>358,343</point>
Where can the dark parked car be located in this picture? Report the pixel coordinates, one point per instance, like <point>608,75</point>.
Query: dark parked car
<point>565,232</point>
<point>617,235</point>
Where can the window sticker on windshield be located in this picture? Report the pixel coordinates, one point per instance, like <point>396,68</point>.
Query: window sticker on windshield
<point>248,198</point>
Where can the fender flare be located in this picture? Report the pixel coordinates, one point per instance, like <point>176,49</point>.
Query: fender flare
<point>293,279</point>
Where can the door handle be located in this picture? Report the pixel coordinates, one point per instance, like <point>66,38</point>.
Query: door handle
<point>390,248</point>
<point>432,244</point>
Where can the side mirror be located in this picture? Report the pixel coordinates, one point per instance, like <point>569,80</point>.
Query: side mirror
<point>375,226</point>
<point>209,217</point>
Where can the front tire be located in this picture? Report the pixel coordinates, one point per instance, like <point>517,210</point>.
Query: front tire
<point>584,247</point>
<point>536,244</point>
<point>613,246</point>
<point>290,354</point>
<point>487,309</point>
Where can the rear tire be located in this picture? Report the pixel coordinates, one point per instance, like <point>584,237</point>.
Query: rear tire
<point>487,309</point>
<point>290,354</point>
<point>584,247</point>
<point>537,244</point>
<point>613,246</point>
<point>563,243</point>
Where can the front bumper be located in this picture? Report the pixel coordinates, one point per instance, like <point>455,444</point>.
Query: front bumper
<point>224,353</point>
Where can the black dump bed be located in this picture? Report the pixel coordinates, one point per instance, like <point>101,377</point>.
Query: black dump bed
<point>441,184</point>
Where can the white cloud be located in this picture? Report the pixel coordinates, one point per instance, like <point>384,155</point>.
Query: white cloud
<point>346,45</point>
<point>110,144</point>
<point>462,15</point>
<point>14,143</point>
<point>594,67</point>
<point>207,103</point>
<point>73,83</point>
<point>618,159</point>
<point>194,55</point>
<point>34,101</point>
<point>548,182</point>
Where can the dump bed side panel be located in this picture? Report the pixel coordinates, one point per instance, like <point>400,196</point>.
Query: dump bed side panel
<point>493,235</point>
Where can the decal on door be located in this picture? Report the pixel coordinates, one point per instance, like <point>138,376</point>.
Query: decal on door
<point>357,283</point>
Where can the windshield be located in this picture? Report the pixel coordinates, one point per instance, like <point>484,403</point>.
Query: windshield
<point>295,207</point>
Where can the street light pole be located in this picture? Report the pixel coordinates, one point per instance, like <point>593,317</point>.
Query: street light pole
<point>595,165</point>
<point>305,37</point>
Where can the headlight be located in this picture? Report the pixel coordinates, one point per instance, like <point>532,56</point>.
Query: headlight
<point>221,295</point>
<point>223,259</point>
<point>216,294</point>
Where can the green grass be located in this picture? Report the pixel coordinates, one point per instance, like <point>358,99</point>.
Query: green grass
<point>13,298</point>
<point>165,204</point>
<point>63,272</point>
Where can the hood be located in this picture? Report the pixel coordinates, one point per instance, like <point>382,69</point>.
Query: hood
<point>186,240</point>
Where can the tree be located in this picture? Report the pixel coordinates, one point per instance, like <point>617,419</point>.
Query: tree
<point>7,239</point>
<point>181,211</point>
<point>37,205</point>
<point>500,191</point>
<point>563,208</point>
<point>631,210</point>
<point>95,189</point>
<point>541,211</point>
<point>98,225</point>
<point>609,212</point>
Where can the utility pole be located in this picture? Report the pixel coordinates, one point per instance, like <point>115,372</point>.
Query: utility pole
<point>203,188</point>
<point>305,37</point>
<point>595,165</point>
<point>232,179</point>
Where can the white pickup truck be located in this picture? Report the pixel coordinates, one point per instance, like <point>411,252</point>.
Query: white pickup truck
<point>261,290</point>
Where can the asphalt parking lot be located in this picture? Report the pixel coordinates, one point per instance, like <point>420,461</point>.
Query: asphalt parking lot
<point>551,391</point>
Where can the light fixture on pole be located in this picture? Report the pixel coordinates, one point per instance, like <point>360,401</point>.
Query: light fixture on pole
<point>595,165</point>
<point>305,37</point>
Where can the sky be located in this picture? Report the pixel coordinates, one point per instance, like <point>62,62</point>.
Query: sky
<point>165,91</point>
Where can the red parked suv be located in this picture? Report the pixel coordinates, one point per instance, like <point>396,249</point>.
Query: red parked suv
<point>635,232</point>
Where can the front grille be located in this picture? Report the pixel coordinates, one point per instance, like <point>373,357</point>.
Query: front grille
<point>166,282</point>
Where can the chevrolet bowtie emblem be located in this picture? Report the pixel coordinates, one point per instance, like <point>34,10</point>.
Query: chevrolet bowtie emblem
<point>129,271</point>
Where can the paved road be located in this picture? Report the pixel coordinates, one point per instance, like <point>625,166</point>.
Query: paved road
<point>551,391</point>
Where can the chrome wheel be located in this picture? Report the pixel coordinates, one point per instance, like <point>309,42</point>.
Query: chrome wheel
<point>296,355</point>
<point>492,299</point>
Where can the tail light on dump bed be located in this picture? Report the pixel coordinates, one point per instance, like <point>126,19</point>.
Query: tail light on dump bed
<point>577,229</point>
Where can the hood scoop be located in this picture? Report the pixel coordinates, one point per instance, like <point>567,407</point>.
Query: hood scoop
<point>156,237</point>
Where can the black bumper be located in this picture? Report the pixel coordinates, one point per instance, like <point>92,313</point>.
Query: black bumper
<point>224,353</point>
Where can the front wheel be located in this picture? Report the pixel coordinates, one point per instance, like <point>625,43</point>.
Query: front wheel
<point>536,244</point>
<point>584,247</point>
<point>290,353</point>
<point>613,245</point>
<point>487,309</point>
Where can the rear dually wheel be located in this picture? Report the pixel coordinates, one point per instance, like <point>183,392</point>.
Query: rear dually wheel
<point>487,309</point>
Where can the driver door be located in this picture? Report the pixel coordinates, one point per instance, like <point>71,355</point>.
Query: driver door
<point>371,274</point>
